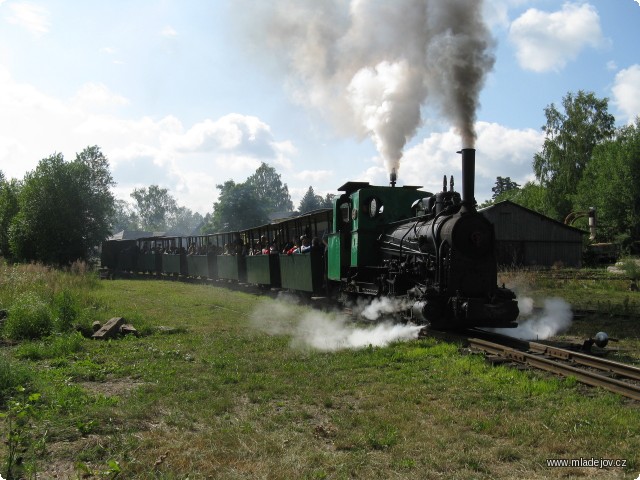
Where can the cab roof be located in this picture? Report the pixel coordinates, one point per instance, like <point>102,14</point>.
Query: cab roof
<point>351,187</point>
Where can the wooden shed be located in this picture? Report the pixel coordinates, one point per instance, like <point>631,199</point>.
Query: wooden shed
<point>528,238</point>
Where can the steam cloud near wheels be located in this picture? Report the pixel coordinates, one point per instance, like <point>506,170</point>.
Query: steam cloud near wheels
<point>331,331</point>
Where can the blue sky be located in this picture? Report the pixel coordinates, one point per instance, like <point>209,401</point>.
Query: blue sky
<point>188,94</point>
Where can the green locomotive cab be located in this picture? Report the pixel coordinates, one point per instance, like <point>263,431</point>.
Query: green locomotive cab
<point>360,215</point>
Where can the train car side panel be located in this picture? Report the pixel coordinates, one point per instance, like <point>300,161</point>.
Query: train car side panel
<point>198,266</point>
<point>264,270</point>
<point>174,264</point>
<point>232,267</point>
<point>303,272</point>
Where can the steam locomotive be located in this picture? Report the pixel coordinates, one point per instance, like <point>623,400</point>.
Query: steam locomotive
<point>433,254</point>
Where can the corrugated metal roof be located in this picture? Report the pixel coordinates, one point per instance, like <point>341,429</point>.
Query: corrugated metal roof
<point>508,203</point>
<point>129,235</point>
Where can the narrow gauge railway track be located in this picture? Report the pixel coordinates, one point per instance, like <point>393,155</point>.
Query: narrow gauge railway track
<point>594,371</point>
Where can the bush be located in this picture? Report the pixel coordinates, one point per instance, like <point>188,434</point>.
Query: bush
<point>631,268</point>
<point>29,318</point>
<point>66,310</point>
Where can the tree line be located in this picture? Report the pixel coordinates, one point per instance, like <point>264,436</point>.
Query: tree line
<point>585,161</point>
<point>259,199</point>
<point>61,211</point>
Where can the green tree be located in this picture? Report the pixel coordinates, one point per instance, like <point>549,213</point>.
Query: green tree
<point>268,188</point>
<point>531,196</point>
<point>237,208</point>
<point>64,209</point>
<point>611,183</point>
<point>9,192</point>
<point>503,184</point>
<point>328,200</point>
<point>155,210</point>
<point>184,220</point>
<point>124,217</point>
<point>310,202</point>
<point>570,138</point>
<point>97,203</point>
<point>153,207</point>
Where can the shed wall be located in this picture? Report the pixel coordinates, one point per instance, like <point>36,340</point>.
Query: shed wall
<point>524,237</point>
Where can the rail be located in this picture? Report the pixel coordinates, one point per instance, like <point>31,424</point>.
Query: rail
<point>557,364</point>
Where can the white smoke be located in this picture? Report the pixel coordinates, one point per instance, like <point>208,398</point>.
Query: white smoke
<point>381,307</point>
<point>370,66</point>
<point>525,305</point>
<point>327,331</point>
<point>555,318</point>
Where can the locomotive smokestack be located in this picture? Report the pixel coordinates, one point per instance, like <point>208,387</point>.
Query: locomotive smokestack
<point>468,179</point>
<point>393,177</point>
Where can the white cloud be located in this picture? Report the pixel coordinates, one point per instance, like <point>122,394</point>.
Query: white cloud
<point>501,151</point>
<point>97,95</point>
<point>169,32</point>
<point>496,12</point>
<point>547,41</point>
<point>231,132</point>
<point>626,92</point>
<point>313,176</point>
<point>141,151</point>
<point>33,18</point>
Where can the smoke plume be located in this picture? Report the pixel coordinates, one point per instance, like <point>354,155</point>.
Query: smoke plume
<point>555,318</point>
<point>328,331</point>
<point>370,66</point>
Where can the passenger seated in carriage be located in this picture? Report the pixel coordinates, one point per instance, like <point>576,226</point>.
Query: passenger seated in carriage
<point>294,249</point>
<point>305,246</point>
<point>266,248</point>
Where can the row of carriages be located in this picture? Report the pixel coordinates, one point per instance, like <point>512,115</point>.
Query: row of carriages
<point>304,272</point>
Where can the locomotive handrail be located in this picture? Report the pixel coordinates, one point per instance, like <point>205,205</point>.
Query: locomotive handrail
<point>402,240</point>
<point>410,250</point>
<point>435,243</point>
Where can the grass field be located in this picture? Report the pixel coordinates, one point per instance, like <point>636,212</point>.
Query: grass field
<point>229,389</point>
